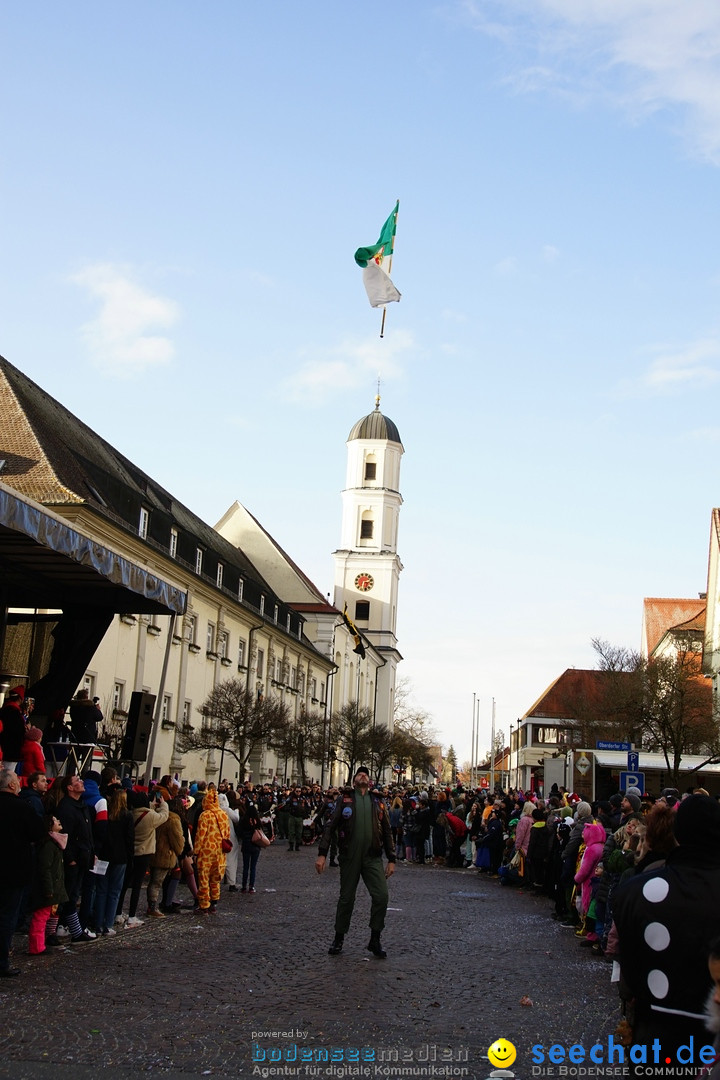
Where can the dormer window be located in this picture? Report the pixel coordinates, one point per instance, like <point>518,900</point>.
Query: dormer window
<point>220,572</point>
<point>143,523</point>
<point>262,605</point>
<point>198,560</point>
<point>241,586</point>
<point>173,543</point>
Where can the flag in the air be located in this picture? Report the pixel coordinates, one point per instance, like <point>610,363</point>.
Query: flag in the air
<point>378,285</point>
<point>359,647</point>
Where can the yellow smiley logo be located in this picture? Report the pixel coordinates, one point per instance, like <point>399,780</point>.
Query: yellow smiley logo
<point>502,1053</point>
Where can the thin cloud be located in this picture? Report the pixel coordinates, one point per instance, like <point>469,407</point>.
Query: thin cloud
<point>347,367</point>
<point>120,339</point>
<point>551,254</point>
<point>695,364</point>
<point>643,55</point>
<point>506,267</point>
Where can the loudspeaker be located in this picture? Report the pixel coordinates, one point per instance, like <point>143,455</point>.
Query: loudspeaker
<point>139,726</point>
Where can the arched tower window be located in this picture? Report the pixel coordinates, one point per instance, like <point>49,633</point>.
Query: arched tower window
<point>367,526</point>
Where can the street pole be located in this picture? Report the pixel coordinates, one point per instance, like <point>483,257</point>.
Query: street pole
<point>492,750</point>
<point>472,747</point>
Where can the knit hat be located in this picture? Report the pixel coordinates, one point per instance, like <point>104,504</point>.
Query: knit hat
<point>583,810</point>
<point>424,796</point>
<point>634,800</point>
<point>697,822</point>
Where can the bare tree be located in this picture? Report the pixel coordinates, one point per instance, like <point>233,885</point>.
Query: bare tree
<point>663,703</point>
<point>234,721</point>
<point>350,735</point>
<point>300,740</point>
<point>410,717</point>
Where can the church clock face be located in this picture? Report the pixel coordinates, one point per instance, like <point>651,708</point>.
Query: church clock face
<point>364,582</point>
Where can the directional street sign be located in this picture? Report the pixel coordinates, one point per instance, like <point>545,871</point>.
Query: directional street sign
<point>632,779</point>
<point>633,760</point>
<point>602,745</point>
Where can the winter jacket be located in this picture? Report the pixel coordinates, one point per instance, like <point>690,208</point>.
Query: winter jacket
<point>118,841</point>
<point>342,821</point>
<point>147,821</point>
<point>169,843</point>
<point>31,757</point>
<point>20,827</point>
<point>77,821</point>
<point>594,840</point>
<point>48,885</point>
<point>12,731</point>
<point>522,833</point>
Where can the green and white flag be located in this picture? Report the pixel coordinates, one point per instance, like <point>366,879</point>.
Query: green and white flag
<point>378,285</point>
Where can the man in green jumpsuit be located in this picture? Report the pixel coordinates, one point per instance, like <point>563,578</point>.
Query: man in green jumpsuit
<point>362,827</point>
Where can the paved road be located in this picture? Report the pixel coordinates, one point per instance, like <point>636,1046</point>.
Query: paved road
<point>193,997</point>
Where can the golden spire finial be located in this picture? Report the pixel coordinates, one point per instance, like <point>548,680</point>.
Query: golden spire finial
<point>377,396</point>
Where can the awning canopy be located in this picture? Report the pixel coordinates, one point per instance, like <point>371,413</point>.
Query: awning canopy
<point>650,762</point>
<point>45,563</point>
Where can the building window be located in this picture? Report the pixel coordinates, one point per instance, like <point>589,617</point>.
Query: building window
<point>187,712</point>
<point>260,663</point>
<point>366,529</point>
<point>241,653</point>
<point>275,613</point>
<point>190,628</point>
<point>173,543</point>
<point>143,523</point>
<point>241,585</point>
<point>220,571</point>
<point>287,624</point>
<point>262,605</point>
<point>293,678</point>
<point>313,689</point>
<point>223,644</point>
<point>370,470</point>
<point>166,707</point>
<point>198,560</point>
<point>118,695</point>
<point>89,685</point>
<point>362,610</point>
<point>210,638</point>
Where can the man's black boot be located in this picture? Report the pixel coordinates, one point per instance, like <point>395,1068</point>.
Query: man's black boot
<point>297,847</point>
<point>291,848</point>
<point>374,945</point>
<point>336,947</point>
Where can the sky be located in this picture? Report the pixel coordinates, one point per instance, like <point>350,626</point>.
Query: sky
<point>183,187</point>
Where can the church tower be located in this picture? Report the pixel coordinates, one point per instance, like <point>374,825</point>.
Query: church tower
<point>367,567</point>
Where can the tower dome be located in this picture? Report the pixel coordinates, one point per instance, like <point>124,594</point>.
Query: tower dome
<point>375,426</point>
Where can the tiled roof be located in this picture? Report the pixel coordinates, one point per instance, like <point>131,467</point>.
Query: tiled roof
<point>564,697</point>
<point>663,614</point>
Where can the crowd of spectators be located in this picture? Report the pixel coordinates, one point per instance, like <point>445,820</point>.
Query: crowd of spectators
<point>636,879</point>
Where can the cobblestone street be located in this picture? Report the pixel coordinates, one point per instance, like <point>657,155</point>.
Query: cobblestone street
<point>197,996</point>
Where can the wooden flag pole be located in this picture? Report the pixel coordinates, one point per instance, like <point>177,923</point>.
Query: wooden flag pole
<point>382,324</point>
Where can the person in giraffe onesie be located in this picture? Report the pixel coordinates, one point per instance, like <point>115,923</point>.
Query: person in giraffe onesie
<point>213,827</point>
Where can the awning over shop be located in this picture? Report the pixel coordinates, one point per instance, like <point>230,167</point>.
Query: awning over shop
<point>649,762</point>
<point>46,563</point>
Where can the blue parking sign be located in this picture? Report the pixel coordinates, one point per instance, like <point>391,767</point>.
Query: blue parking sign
<point>632,779</point>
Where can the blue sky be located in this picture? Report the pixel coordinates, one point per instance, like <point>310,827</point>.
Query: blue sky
<point>183,188</point>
